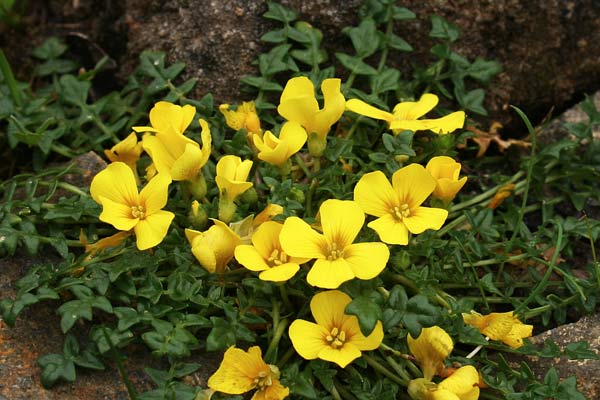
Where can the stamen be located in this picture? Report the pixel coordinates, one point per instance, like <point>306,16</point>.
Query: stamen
<point>334,252</point>
<point>400,212</point>
<point>138,212</point>
<point>277,257</point>
<point>336,338</point>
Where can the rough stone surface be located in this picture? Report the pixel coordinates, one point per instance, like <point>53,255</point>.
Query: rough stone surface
<point>549,48</point>
<point>556,131</point>
<point>587,372</point>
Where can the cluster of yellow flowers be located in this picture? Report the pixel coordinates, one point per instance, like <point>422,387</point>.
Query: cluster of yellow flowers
<point>276,250</point>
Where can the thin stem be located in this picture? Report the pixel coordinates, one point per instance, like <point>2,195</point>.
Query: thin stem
<point>383,370</point>
<point>130,390</point>
<point>485,195</point>
<point>9,78</point>
<point>546,277</point>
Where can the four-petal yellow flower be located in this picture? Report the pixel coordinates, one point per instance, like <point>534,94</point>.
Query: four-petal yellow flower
<point>505,327</point>
<point>405,116</point>
<point>214,247</point>
<point>298,103</point>
<point>445,171</point>
<point>232,175</point>
<point>125,209</point>
<point>277,150</point>
<point>338,259</point>
<point>241,371</point>
<point>266,255</point>
<point>398,206</point>
<point>335,336</point>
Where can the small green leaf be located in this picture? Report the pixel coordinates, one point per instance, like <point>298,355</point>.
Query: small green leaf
<point>402,14</point>
<point>442,29</point>
<point>73,91</point>
<point>279,13</point>
<point>367,311</point>
<point>364,37</point>
<point>483,70</point>
<point>51,48</point>
<point>355,64</point>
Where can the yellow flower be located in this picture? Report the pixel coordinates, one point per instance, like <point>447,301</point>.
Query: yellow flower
<point>266,255</point>
<point>445,171</point>
<point>178,155</point>
<point>241,371</point>
<point>430,349</point>
<point>461,385</point>
<point>277,150</point>
<point>168,119</point>
<point>336,336</point>
<point>127,151</point>
<point>398,206</point>
<point>405,115</point>
<point>298,103</point>
<point>505,327</point>
<point>244,117</point>
<point>338,258</point>
<point>125,209</point>
<point>214,247</point>
<point>267,214</point>
<point>232,175</point>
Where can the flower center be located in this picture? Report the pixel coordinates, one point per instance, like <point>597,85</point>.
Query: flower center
<point>334,252</point>
<point>277,257</point>
<point>263,380</point>
<point>336,338</point>
<point>400,212</point>
<point>138,212</point>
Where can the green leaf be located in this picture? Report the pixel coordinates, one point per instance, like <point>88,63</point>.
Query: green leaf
<point>276,36</point>
<point>279,13</point>
<point>385,81</point>
<point>364,37</point>
<point>182,287</point>
<point>221,335</point>
<point>51,48</point>
<point>73,91</point>
<point>355,64</point>
<point>55,367</point>
<point>442,29</point>
<point>483,70</point>
<point>472,101</point>
<point>396,42</point>
<point>367,311</point>
<point>420,314</point>
<point>402,14</point>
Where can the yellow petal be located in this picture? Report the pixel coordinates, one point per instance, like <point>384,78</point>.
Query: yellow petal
<point>413,110</point>
<point>375,194</point>
<point>328,308</point>
<point>274,392</point>
<point>333,108</point>
<point>117,183</point>
<point>280,273</point>
<point>367,260</point>
<point>250,258</point>
<point>341,356</point>
<point>151,230</point>
<point>430,349</point>
<point>413,184</point>
<point>307,338</point>
<point>298,102</point>
<point>266,238</point>
<point>443,125</point>
<point>298,239</point>
<point>188,164</point>
<point>117,214</point>
<point>238,371</point>
<point>154,195</point>
<point>443,167</point>
<point>390,230</point>
<point>463,382</point>
<point>294,135</point>
<point>267,213</point>
<point>341,221</point>
<point>423,218</point>
<point>515,337</point>
<point>362,108</point>
<point>206,137</point>
<point>329,274</point>
<point>355,336</point>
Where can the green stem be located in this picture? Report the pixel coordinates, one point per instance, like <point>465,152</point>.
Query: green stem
<point>9,78</point>
<point>126,381</point>
<point>302,166</point>
<point>542,309</point>
<point>383,370</point>
<point>334,393</point>
<point>485,195</point>
<point>309,195</point>
<point>593,248</point>
<point>538,289</point>
<point>72,188</point>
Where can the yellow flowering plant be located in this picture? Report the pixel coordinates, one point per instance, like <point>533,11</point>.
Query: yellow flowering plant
<point>325,257</point>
